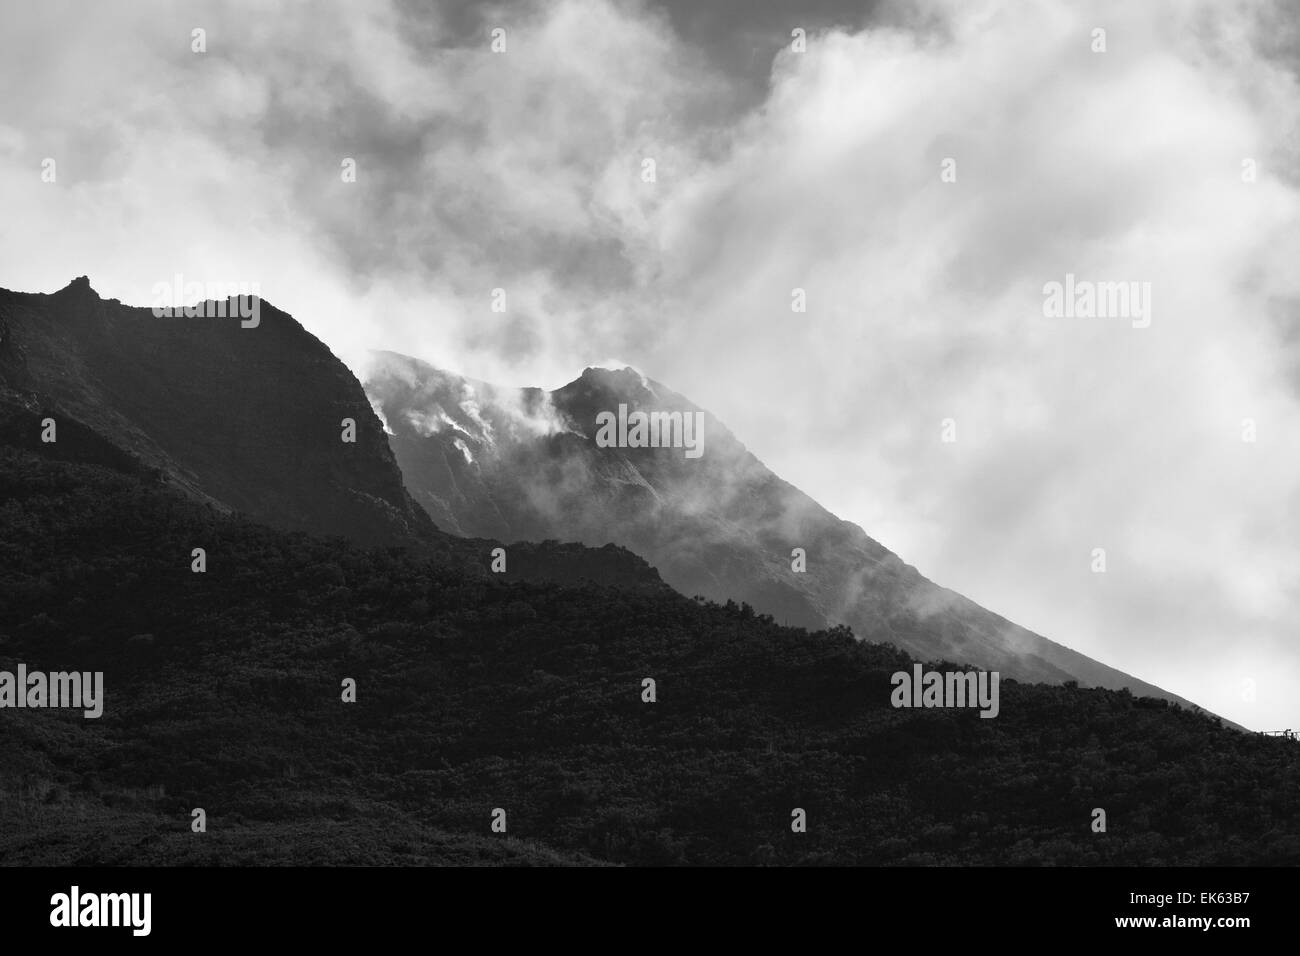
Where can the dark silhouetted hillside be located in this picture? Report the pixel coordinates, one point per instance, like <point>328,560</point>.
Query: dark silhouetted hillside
<point>223,692</point>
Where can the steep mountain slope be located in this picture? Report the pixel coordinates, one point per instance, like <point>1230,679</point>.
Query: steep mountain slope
<point>523,463</point>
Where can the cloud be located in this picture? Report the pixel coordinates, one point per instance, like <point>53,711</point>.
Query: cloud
<point>925,303</point>
<point>523,171</point>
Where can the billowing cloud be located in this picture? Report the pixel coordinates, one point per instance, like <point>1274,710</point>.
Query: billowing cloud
<point>774,170</point>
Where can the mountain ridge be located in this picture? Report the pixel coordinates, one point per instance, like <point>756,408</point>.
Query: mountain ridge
<point>244,419</point>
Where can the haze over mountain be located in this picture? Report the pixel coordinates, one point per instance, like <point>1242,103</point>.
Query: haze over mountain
<point>524,464</point>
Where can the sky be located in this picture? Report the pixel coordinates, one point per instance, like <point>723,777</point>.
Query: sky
<point>921,170</point>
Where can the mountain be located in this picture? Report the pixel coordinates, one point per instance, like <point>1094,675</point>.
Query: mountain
<point>247,419</point>
<point>477,691</point>
<point>524,464</point>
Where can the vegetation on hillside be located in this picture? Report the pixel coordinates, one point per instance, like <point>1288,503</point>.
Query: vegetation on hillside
<point>223,691</point>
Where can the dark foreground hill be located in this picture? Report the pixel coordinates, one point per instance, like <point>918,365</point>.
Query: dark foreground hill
<point>222,691</point>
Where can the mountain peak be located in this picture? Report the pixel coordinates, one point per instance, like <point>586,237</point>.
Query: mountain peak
<point>606,373</point>
<point>623,383</point>
<point>81,284</point>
